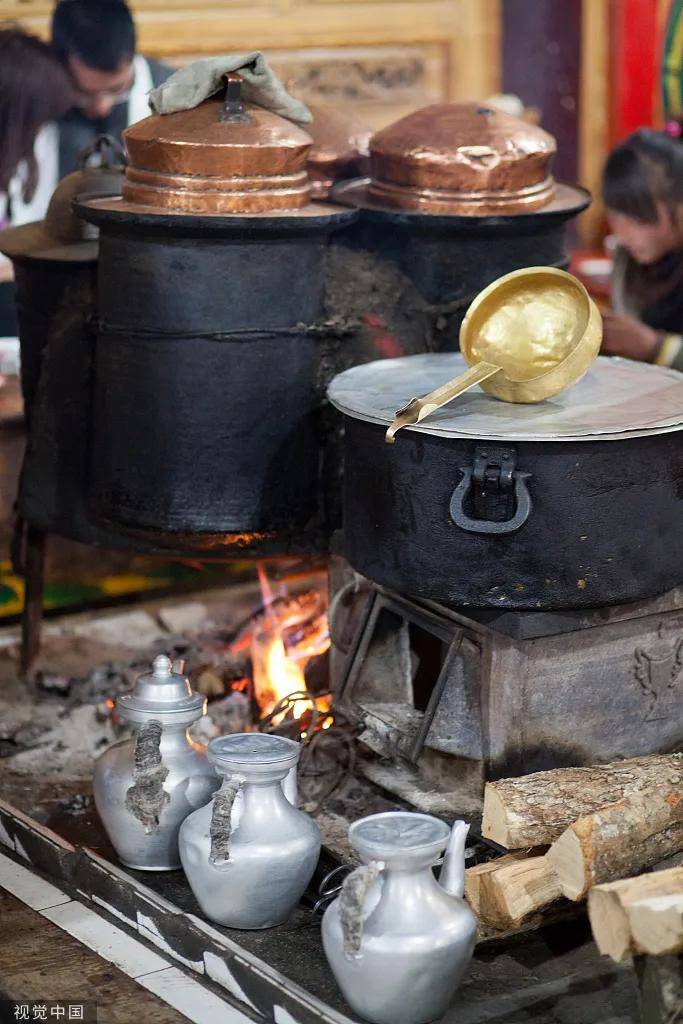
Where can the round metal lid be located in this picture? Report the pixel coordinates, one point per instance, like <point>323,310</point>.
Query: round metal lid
<point>339,151</point>
<point>253,752</point>
<point>461,158</point>
<point>161,693</point>
<point>398,832</point>
<point>615,400</point>
<point>223,156</point>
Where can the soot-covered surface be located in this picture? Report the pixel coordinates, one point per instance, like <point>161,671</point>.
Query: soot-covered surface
<point>551,975</point>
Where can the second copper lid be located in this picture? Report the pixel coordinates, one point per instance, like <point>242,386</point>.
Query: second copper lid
<point>220,157</point>
<point>461,158</point>
<point>340,149</point>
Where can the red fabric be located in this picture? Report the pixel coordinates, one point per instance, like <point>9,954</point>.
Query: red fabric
<point>636,55</point>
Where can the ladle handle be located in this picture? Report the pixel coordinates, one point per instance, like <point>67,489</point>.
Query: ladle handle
<point>418,409</point>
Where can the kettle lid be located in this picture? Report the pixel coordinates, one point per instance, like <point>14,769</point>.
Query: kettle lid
<point>163,694</point>
<point>398,833</point>
<point>253,752</point>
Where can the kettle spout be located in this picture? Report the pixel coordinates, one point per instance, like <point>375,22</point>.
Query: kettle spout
<point>452,877</point>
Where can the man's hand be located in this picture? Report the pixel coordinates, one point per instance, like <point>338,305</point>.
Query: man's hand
<point>626,336</point>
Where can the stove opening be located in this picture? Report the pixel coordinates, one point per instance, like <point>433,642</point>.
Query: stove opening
<point>397,677</point>
<point>427,653</point>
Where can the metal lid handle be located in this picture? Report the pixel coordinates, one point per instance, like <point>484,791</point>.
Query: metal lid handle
<point>233,110</point>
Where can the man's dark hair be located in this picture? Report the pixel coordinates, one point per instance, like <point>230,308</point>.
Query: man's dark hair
<point>101,33</point>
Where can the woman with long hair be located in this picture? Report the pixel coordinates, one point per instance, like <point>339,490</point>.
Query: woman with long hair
<point>34,91</point>
<point>643,193</point>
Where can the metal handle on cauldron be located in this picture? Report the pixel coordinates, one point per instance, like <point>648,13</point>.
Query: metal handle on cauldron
<point>501,465</point>
<point>233,110</point>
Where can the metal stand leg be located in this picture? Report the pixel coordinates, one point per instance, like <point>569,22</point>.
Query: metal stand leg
<point>32,614</point>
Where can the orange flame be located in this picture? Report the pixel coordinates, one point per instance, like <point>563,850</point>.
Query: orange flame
<point>292,632</point>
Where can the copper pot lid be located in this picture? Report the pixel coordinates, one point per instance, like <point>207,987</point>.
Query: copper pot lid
<point>340,149</point>
<point>461,159</point>
<point>223,156</point>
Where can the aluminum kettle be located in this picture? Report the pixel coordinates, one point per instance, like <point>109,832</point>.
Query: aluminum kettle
<point>397,939</point>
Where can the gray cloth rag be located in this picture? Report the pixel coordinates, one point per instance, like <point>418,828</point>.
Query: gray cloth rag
<point>191,85</point>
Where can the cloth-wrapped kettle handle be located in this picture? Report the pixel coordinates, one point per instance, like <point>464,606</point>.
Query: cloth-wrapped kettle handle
<point>146,798</point>
<point>220,830</point>
<point>352,904</point>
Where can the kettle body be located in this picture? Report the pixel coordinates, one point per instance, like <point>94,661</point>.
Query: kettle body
<point>188,785</point>
<point>397,940</point>
<point>145,786</point>
<point>250,853</point>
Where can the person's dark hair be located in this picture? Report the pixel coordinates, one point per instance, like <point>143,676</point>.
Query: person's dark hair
<point>101,33</point>
<point>645,169</point>
<point>34,89</point>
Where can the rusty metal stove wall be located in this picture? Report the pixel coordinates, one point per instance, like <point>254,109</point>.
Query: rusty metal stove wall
<point>456,695</point>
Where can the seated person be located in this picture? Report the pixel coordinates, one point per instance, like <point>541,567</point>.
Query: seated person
<point>95,40</point>
<point>643,193</point>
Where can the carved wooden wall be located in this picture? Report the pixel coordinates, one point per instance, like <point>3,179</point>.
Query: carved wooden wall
<point>380,58</point>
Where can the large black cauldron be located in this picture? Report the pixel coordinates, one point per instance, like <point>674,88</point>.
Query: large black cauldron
<point>449,259</point>
<point>203,401</point>
<point>575,502</point>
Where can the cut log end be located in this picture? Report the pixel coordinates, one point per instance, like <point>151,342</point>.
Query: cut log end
<point>474,877</point>
<point>657,924</point>
<point>516,890</point>
<point>495,821</point>
<point>609,923</point>
<point>567,860</point>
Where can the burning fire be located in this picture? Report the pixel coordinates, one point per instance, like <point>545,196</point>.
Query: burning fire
<point>293,630</point>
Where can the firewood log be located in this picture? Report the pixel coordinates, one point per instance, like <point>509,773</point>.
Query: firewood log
<point>474,875</point>
<point>639,915</point>
<point>516,890</point>
<point>619,840</point>
<point>535,809</point>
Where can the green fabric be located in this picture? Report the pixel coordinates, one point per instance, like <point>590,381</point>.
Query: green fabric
<point>147,576</point>
<point>678,361</point>
<point>672,63</point>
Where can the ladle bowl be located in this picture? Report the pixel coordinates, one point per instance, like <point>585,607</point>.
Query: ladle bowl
<point>527,337</point>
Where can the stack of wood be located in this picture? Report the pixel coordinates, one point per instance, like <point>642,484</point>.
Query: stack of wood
<point>571,829</point>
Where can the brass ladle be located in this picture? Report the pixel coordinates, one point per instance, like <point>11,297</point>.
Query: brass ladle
<point>528,336</point>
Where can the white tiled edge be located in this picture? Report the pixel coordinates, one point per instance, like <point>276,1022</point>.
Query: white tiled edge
<point>32,890</point>
<point>143,965</point>
<point>190,998</point>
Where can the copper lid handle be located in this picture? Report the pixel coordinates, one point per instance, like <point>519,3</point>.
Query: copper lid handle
<point>233,110</point>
